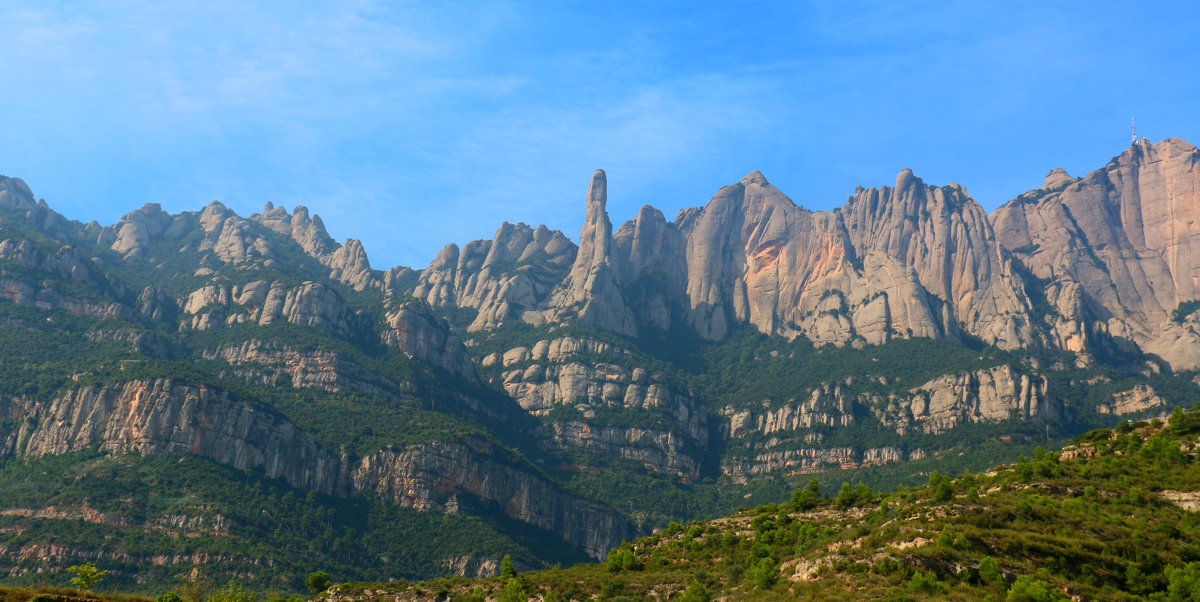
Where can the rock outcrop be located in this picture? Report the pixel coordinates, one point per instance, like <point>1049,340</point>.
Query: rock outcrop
<point>277,365</point>
<point>808,460</point>
<point>165,416</point>
<point>944,237</point>
<point>828,405</point>
<point>310,304</point>
<point>591,292</point>
<point>991,395</point>
<point>574,383</point>
<point>507,279</point>
<point>1118,250</point>
<point>241,241</point>
<point>427,477</point>
<point>914,260</point>
<point>17,201</point>
<point>418,333</point>
<point>1139,399</point>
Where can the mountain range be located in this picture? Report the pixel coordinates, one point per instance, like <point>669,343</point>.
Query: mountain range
<point>201,396</point>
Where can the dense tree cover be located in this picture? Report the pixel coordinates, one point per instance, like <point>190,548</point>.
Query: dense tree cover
<point>45,351</point>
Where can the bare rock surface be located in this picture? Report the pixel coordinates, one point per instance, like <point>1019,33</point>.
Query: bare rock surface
<point>1125,241</point>
<point>990,395</point>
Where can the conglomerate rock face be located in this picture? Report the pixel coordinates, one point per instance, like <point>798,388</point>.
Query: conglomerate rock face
<point>1118,250</point>
<point>913,260</point>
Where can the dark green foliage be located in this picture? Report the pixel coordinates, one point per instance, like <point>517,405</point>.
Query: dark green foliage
<point>623,559</point>
<point>318,582</point>
<point>1183,583</point>
<point>845,497</point>
<point>1185,309</point>
<point>232,592</point>
<point>513,591</point>
<point>1029,589</point>
<point>170,597</point>
<point>925,582</point>
<point>411,403</point>
<point>943,492</point>
<point>86,575</point>
<point>695,592</point>
<point>1071,528</point>
<point>989,571</point>
<point>292,529</point>
<point>763,574</point>
<point>507,570</point>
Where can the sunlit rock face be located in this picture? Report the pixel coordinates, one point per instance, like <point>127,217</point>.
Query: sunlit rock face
<point>1118,250</point>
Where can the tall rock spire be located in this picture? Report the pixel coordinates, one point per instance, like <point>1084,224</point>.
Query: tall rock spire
<point>590,291</point>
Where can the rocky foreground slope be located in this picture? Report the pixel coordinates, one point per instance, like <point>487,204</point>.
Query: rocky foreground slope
<point>548,400</point>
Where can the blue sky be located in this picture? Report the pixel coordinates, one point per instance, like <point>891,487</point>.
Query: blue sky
<point>411,124</point>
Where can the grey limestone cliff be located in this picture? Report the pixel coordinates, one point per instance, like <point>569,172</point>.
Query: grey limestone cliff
<point>164,416</point>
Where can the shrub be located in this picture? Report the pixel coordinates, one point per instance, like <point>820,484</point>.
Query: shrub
<point>696,592</point>
<point>316,582</point>
<point>763,573</point>
<point>507,570</point>
<point>989,571</point>
<point>86,575</point>
<point>1183,583</point>
<point>862,493</point>
<point>1028,589</point>
<point>887,566</point>
<point>232,592</point>
<point>475,595</point>
<point>513,591</point>
<point>622,559</point>
<point>943,492</point>
<point>845,497</point>
<point>169,597</point>
<point>1136,496</point>
<point>925,582</point>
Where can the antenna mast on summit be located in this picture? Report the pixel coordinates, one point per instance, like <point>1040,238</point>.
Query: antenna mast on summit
<point>1133,126</point>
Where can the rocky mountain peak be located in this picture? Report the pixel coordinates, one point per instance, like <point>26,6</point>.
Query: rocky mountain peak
<point>597,196</point>
<point>212,217</point>
<point>906,179</point>
<point>15,195</point>
<point>1122,245</point>
<point>755,177</point>
<point>944,236</point>
<point>590,289</point>
<point>1056,179</point>
<point>308,231</point>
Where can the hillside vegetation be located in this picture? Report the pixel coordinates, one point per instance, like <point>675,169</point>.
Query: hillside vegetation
<point>1113,516</point>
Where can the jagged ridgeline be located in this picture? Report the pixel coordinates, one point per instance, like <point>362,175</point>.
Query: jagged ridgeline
<point>206,396</point>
